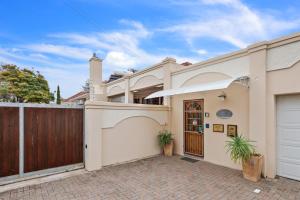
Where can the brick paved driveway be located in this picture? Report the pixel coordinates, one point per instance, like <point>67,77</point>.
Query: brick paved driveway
<point>160,178</point>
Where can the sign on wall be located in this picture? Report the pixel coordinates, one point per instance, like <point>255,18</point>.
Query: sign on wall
<point>224,114</point>
<point>218,128</point>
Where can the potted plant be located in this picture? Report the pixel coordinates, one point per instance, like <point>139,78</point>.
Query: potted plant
<point>166,142</point>
<point>241,150</point>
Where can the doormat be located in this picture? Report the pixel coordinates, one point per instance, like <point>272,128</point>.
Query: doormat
<point>189,159</point>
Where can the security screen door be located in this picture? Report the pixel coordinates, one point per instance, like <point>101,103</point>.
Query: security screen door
<point>193,127</point>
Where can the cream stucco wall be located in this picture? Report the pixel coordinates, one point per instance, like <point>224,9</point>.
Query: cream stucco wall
<point>205,78</point>
<point>273,68</point>
<point>257,99</point>
<point>146,81</point>
<point>131,139</point>
<point>279,82</point>
<point>234,68</point>
<point>283,56</point>
<point>118,87</point>
<point>118,132</point>
<point>157,74</point>
<point>214,143</point>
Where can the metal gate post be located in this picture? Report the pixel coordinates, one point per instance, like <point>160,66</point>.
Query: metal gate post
<point>21,141</point>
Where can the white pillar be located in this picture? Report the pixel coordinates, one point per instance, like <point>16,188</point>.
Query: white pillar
<point>93,139</point>
<point>257,99</point>
<point>95,69</point>
<point>97,88</point>
<point>168,65</point>
<point>128,93</point>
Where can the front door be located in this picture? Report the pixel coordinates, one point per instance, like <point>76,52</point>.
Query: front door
<point>193,127</point>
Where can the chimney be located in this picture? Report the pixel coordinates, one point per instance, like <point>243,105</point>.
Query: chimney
<point>95,70</point>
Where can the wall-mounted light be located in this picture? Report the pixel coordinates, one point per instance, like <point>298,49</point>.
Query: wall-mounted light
<point>135,91</point>
<point>222,96</point>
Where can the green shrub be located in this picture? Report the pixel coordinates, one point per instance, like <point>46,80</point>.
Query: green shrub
<point>164,137</point>
<point>240,148</point>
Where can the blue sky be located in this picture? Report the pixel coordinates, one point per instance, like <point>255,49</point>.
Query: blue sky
<point>58,37</point>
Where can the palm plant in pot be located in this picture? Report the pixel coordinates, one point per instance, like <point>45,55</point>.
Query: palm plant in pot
<point>241,150</point>
<point>166,142</point>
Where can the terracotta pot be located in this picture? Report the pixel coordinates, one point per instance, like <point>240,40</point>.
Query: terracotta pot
<point>168,149</point>
<point>253,167</point>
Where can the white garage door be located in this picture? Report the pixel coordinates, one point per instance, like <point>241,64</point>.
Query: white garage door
<point>288,136</point>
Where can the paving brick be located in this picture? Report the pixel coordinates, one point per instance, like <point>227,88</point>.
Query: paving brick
<point>160,178</point>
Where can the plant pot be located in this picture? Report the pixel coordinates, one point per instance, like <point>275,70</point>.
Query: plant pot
<point>168,149</point>
<point>253,167</point>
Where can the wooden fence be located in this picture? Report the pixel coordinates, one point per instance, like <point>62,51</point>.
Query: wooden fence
<point>9,141</point>
<point>37,139</point>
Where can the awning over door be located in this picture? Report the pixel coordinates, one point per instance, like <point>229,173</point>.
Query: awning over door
<point>194,88</point>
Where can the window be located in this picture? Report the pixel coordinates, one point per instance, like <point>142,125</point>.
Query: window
<point>117,99</point>
<point>154,101</point>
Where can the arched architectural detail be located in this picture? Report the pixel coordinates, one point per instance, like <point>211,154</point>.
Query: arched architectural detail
<point>115,123</point>
<point>205,77</point>
<point>126,141</point>
<point>283,66</point>
<point>134,116</point>
<point>157,73</point>
<point>293,65</point>
<point>146,81</point>
<point>236,67</point>
<point>283,57</point>
<point>115,90</point>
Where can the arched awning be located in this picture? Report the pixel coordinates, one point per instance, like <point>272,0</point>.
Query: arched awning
<point>197,88</point>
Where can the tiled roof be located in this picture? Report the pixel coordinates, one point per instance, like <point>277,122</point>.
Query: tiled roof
<point>79,95</point>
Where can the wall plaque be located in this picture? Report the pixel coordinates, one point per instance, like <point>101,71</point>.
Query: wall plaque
<point>231,130</point>
<point>224,114</point>
<point>218,128</point>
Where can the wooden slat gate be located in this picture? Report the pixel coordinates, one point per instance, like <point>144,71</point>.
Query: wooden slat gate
<point>9,141</point>
<point>39,139</point>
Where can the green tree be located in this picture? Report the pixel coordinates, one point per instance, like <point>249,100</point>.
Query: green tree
<point>23,85</point>
<point>58,98</point>
<point>86,86</point>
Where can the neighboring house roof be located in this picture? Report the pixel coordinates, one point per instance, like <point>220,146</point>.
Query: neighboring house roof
<point>114,77</point>
<point>78,96</point>
<point>117,75</point>
<point>186,63</point>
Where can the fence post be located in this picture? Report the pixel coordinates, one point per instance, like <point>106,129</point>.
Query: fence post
<point>21,141</point>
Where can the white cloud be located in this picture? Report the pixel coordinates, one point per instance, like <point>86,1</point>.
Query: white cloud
<point>201,51</point>
<point>119,60</point>
<point>139,30</point>
<point>61,50</point>
<point>26,56</point>
<point>120,49</point>
<point>39,56</point>
<point>70,81</point>
<point>63,59</point>
<point>112,40</point>
<point>69,75</point>
<point>236,24</point>
<point>67,64</point>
